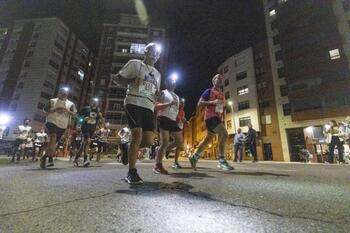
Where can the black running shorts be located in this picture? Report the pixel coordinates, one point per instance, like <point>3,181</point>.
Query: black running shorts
<point>212,123</point>
<point>139,117</point>
<point>167,124</point>
<point>53,129</point>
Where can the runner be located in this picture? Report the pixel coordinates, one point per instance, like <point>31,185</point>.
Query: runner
<point>59,112</point>
<point>124,135</point>
<point>102,140</point>
<point>92,117</point>
<point>76,142</point>
<point>178,136</point>
<point>143,85</point>
<point>40,141</point>
<point>22,132</point>
<point>168,109</point>
<point>214,100</point>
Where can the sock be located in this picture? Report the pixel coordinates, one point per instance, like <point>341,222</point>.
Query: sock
<point>197,155</point>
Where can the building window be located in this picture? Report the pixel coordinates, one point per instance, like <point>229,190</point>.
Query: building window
<point>59,46</point>
<point>35,35</point>
<point>49,85</point>
<point>244,121</point>
<point>225,69</point>
<point>45,95</point>
<point>137,48</point>
<point>30,53</point>
<point>284,90</point>
<point>226,82</point>
<point>27,64</point>
<point>278,55</point>
<point>276,39</point>
<point>229,124</point>
<point>264,104</point>
<point>241,75</point>
<point>32,44</point>
<point>346,5</point>
<point>286,109</point>
<point>281,72</point>
<point>243,105</point>
<point>272,12</point>
<point>124,50</point>
<point>41,106</point>
<point>227,95</point>
<point>54,64</point>
<point>334,54</point>
<point>20,85</point>
<point>17,97</point>
<point>242,90</point>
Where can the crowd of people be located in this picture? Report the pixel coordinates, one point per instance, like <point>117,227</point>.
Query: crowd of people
<point>147,108</point>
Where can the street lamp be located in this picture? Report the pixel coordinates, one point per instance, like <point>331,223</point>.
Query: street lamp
<point>230,102</point>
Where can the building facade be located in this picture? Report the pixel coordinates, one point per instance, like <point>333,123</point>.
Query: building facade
<point>309,47</point>
<point>248,89</point>
<point>37,57</point>
<point>121,42</point>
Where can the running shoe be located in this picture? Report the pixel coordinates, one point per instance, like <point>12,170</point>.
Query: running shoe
<point>43,162</point>
<point>193,160</point>
<point>76,163</point>
<point>159,169</point>
<point>86,163</point>
<point>223,165</point>
<point>133,177</point>
<point>176,166</point>
<point>50,162</point>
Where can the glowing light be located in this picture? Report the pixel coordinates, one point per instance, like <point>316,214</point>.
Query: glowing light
<point>159,48</point>
<point>174,77</point>
<point>4,118</point>
<point>95,99</point>
<point>66,89</point>
<point>230,102</point>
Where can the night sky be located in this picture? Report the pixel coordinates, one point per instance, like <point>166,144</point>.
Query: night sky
<point>202,33</point>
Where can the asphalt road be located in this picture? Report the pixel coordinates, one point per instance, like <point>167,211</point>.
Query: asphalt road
<point>252,198</point>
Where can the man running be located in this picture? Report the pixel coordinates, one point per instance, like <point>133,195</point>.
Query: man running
<point>178,135</point>
<point>214,101</point>
<point>59,112</point>
<point>143,81</point>
<point>75,142</point>
<point>22,134</point>
<point>92,117</point>
<point>124,135</point>
<point>102,139</point>
<point>41,138</point>
<point>168,109</point>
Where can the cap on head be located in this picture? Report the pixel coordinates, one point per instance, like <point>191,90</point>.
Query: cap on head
<point>153,49</point>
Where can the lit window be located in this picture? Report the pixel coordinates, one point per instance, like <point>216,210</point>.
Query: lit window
<point>272,12</point>
<point>244,121</point>
<point>137,48</point>
<point>124,50</point>
<point>242,90</point>
<point>81,74</point>
<point>334,54</point>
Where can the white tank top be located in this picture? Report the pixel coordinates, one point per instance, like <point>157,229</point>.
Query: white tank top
<point>170,111</point>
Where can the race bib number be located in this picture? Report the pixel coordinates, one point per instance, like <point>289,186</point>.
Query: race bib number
<point>147,89</point>
<point>219,108</point>
<point>92,118</point>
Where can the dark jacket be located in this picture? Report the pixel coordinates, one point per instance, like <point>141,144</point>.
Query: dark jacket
<point>251,138</point>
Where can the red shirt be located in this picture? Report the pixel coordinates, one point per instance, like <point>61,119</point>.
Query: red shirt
<point>213,110</point>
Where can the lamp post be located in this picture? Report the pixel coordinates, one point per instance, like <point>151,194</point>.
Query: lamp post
<point>230,102</point>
